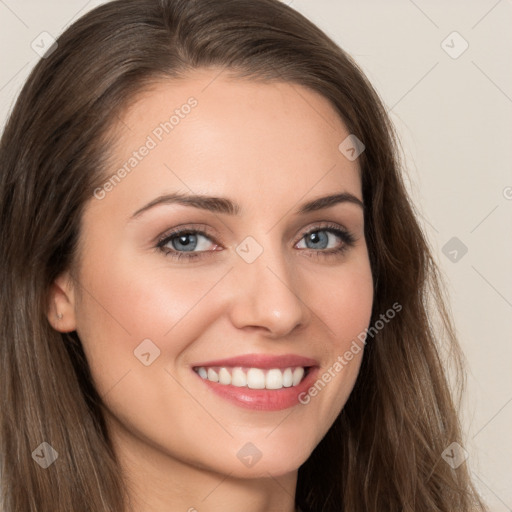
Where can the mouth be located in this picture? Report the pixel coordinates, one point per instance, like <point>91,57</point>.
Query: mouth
<point>254,378</point>
<point>258,381</point>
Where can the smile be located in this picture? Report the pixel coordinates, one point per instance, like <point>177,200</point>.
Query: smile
<point>254,378</point>
<point>262,382</point>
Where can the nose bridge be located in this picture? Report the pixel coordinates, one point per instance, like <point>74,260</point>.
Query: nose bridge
<point>267,294</point>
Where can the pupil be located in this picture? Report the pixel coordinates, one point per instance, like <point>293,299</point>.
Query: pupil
<point>185,241</point>
<point>317,237</point>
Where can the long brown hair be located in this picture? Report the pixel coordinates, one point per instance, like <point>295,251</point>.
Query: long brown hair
<point>384,451</point>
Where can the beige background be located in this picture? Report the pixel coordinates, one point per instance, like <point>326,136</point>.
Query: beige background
<point>454,116</point>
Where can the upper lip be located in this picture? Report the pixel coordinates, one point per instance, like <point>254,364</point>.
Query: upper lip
<point>261,361</point>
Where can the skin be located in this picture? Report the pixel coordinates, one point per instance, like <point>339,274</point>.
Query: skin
<point>270,148</point>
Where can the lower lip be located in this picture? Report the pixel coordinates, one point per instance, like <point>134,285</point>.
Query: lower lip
<point>263,399</point>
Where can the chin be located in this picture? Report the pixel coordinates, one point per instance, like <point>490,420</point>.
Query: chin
<point>260,459</point>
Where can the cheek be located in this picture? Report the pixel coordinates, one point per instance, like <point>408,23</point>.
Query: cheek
<point>121,308</point>
<point>342,298</point>
<point>343,301</point>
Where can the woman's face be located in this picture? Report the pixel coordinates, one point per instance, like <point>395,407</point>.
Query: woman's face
<point>262,281</point>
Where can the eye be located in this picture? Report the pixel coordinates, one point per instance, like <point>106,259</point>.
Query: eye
<point>192,243</point>
<point>325,240</point>
<point>188,243</point>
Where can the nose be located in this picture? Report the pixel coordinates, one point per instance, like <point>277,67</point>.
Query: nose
<point>267,295</point>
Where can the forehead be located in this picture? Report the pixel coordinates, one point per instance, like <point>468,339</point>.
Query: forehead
<point>211,133</point>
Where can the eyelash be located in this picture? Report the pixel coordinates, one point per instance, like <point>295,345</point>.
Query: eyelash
<point>347,238</point>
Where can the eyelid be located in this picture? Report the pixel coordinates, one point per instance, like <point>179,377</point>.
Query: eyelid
<point>185,228</point>
<point>321,225</point>
<point>206,230</point>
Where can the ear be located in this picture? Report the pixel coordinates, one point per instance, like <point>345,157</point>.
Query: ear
<point>61,304</point>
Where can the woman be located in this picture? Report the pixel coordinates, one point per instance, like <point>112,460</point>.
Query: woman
<point>215,293</point>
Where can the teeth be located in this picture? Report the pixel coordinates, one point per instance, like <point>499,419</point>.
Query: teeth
<point>274,379</point>
<point>212,375</point>
<point>298,373</point>
<point>287,378</point>
<point>224,376</point>
<point>239,378</point>
<point>253,378</point>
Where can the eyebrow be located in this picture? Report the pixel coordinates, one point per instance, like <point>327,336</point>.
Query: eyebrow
<point>229,207</point>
